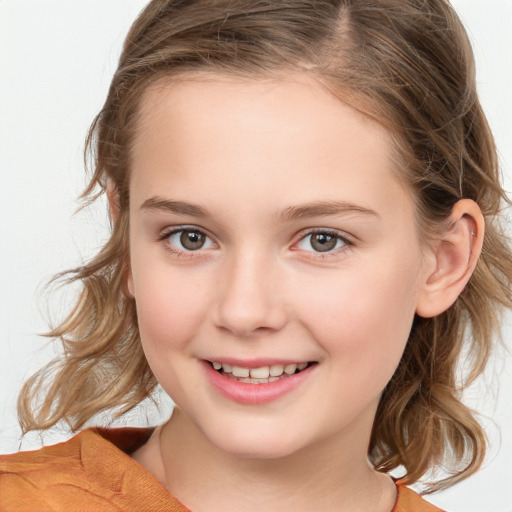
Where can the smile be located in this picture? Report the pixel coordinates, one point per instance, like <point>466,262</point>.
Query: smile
<point>262,375</point>
<point>259,384</point>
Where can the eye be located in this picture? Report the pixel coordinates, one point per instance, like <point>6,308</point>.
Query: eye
<point>187,240</point>
<point>322,241</point>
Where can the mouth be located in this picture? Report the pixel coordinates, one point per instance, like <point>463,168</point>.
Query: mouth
<point>261,375</point>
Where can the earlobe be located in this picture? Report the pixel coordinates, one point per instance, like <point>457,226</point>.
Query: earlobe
<point>456,254</point>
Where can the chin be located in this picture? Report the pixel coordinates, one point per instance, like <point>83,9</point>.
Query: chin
<point>265,443</point>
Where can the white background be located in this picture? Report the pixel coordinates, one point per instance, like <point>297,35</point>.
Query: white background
<point>56,60</point>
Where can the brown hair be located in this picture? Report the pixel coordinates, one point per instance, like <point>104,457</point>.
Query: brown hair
<point>406,63</point>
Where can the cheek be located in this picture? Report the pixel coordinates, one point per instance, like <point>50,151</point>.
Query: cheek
<point>363,320</point>
<point>170,308</point>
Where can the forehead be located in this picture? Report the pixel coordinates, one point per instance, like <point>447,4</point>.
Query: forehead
<point>274,139</point>
<point>294,103</point>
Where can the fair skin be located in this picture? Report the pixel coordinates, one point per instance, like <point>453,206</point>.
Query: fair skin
<point>267,228</point>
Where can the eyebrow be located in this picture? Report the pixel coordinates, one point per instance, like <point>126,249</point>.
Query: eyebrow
<point>301,211</point>
<point>323,208</point>
<point>179,207</point>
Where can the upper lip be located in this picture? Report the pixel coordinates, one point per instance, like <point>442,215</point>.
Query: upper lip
<point>256,363</point>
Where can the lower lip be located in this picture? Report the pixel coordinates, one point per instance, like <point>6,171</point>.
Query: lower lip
<point>254,394</point>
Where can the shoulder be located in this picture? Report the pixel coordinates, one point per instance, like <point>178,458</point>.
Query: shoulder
<point>91,471</point>
<point>32,477</point>
<point>410,501</point>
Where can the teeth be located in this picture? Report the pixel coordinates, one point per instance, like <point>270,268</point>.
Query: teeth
<point>264,372</point>
<point>290,369</point>
<point>260,373</point>
<point>276,370</point>
<point>240,372</point>
<point>257,381</point>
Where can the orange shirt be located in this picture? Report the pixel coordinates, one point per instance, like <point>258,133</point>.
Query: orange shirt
<point>92,472</point>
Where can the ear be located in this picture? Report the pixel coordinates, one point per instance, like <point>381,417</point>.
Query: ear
<point>455,255</point>
<point>115,213</point>
<point>113,202</point>
<point>129,282</point>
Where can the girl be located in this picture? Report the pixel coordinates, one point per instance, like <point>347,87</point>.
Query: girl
<point>304,199</point>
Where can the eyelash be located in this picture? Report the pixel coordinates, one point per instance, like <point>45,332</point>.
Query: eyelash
<point>347,244</point>
<point>164,237</point>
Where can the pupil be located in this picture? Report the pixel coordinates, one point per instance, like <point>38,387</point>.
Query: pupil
<point>192,240</point>
<point>322,242</point>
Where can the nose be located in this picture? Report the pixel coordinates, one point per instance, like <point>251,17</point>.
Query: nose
<point>250,300</point>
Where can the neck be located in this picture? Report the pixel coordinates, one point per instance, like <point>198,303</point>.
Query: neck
<point>333,475</point>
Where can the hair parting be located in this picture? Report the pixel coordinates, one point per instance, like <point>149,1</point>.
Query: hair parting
<point>408,64</point>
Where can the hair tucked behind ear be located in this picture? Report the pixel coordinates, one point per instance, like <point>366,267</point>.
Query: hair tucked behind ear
<point>405,63</point>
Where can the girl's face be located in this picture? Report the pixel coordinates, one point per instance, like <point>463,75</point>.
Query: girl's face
<point>267,230</point>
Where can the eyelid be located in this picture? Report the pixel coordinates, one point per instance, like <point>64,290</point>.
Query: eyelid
<point>347,240</point>
<point>167,232</point>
